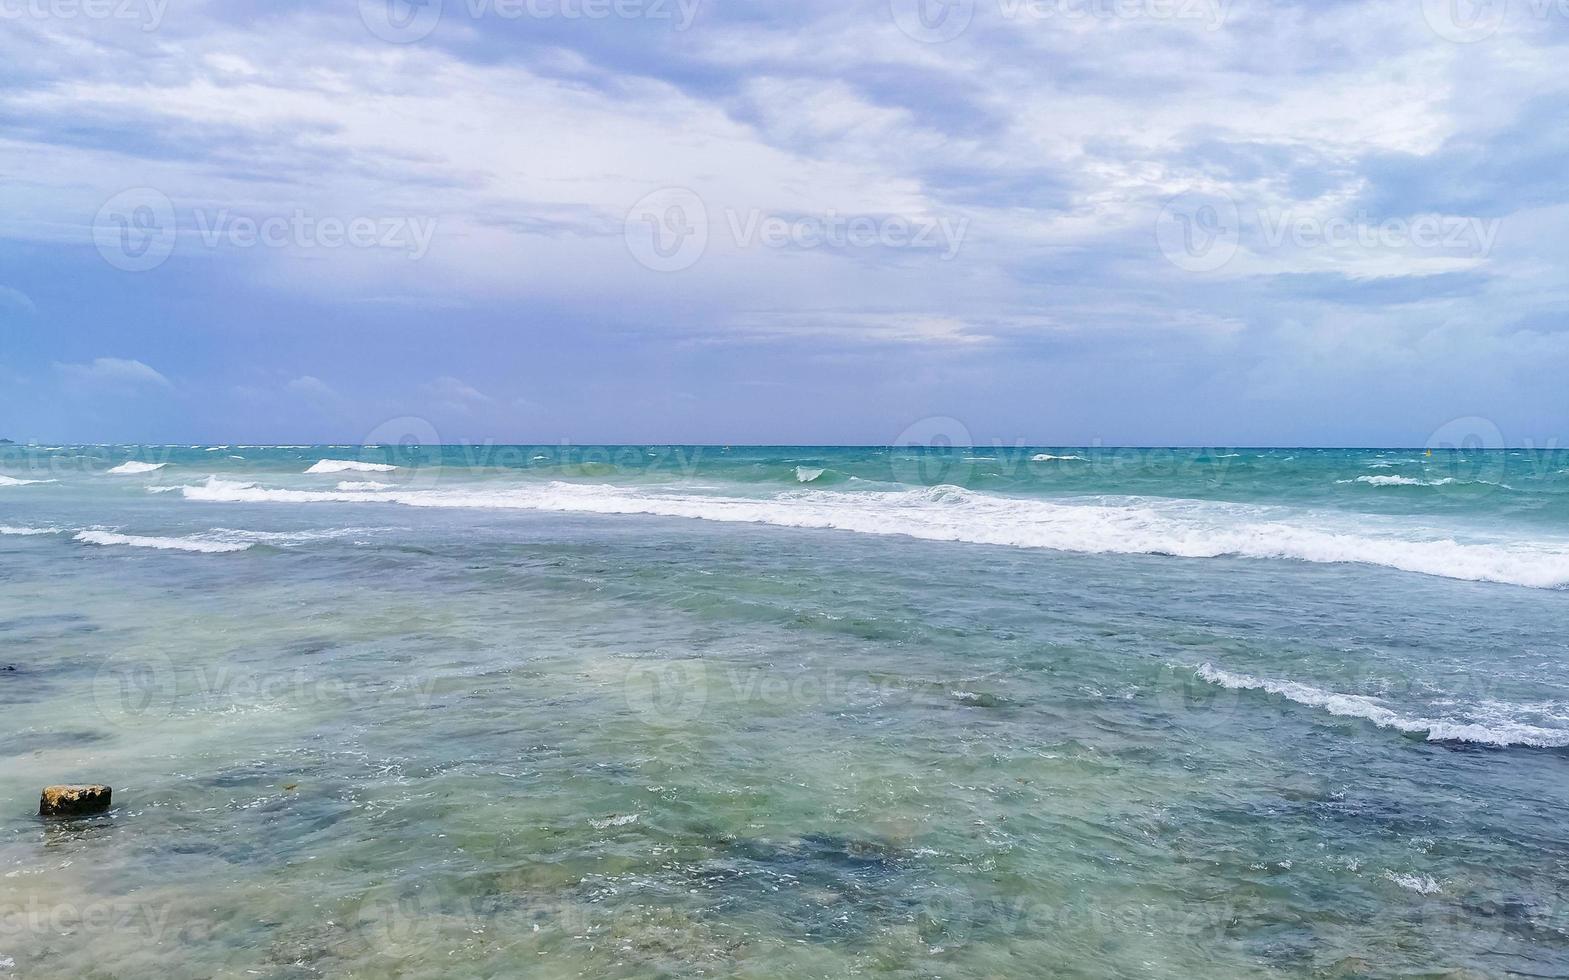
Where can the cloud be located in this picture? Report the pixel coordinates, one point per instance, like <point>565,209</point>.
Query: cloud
<point>113,373</point>
<point>455,395</point>
<point>1059,140</point>
<point>15,301</point>
<point>311,387</point>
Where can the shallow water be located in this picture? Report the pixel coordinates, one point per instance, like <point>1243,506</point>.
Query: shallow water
<point>652,711</point>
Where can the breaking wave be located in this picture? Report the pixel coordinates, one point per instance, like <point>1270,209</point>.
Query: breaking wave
<point>1125,525</point>
<point>109,538</point>
<point>349,466</point>
<point>133,467</point>
<point>1501,733</point>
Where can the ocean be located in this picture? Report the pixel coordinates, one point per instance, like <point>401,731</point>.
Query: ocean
<point>666,711</point>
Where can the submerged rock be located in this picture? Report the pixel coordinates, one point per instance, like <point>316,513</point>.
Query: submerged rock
<point>74,801</point>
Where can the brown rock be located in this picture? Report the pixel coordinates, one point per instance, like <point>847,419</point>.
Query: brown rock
<point>74,801</point>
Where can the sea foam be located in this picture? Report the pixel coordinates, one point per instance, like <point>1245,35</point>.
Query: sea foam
<point>1128,525</point>
<point>350,466</point>
<point>1503,732</point>
<point>162,544</point>
<point>11,481</point>
<point>133,467</point>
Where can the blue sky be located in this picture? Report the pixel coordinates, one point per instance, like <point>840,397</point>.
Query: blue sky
<point>1209,222</point>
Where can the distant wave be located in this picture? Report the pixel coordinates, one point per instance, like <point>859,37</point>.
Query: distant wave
<point>350,466</point>
<point>27,531</point>
<point>1048,457</point>
<point>1130,525</point>
<point>1407,481</point>
<point>133,467</point>
<point>163,544</point>
<point>350,486</point>
<point>1503,733</point>
<point>1387,481</point>
<point>806,474</point>
<point>11,481</point>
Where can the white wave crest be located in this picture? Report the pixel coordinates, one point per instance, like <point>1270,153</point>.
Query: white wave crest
<point>1421,884</point>
<point>11,481</point>
<point>1407,481</point>
<point>1048,457</point>
<point>351,486</point>
<point>1127,525</point>
<point>1371,709</point>
<point>163,544</point>
<point>620,820</point>
<point>27,531</point>
<point>1388,481</point>
<point>350,466</point>
<point>806,474</point>
<point>133,468</point>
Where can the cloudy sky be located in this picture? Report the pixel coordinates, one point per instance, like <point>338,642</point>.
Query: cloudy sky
<point>1209,222</point>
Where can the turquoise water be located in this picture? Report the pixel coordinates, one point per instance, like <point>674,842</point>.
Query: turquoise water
<point>690,711</point>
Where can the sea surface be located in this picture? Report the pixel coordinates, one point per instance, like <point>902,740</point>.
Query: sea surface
<point>661,711</point>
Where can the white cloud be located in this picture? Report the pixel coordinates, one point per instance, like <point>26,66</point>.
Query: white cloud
<point>113,372</point>
<point>456,395</point>
<point>311,387</point>
<point>15,301</point>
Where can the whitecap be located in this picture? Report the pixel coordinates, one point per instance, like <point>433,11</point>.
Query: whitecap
<point>1109,525</point>
<point>1406,481</point>
<point>280,538</point>
<point>27,531</point>
<point>349,465</point>
<point>1421,884</point>
<point>1048,457</point>
<point>350,486</point>
<point>615,821</point>
<point>133,467</point>
<point>1501,733</point>
<point>11,481</point>
<point>1388,481</point>
<point>163,544</point>
<point>806,474</point>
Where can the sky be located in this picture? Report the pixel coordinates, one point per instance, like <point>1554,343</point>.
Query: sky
<point>1044,222</point>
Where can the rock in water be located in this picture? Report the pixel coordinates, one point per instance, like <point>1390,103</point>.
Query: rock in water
<point>74,801</point>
